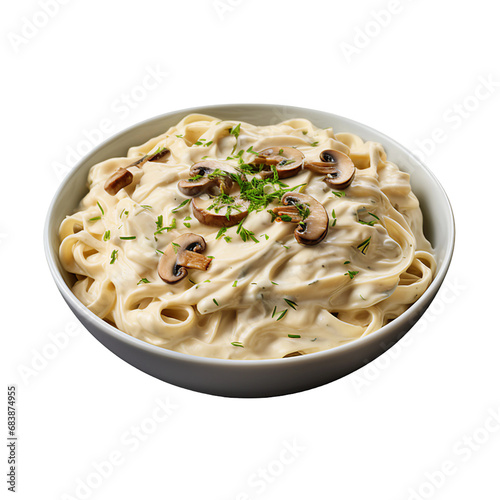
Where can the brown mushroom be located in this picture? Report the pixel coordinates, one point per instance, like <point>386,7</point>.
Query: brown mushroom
<point>206,175</point>
<point>288,161</point>
<point>123,177</point>
<point>310,214</point>
<point>221,215</point>
<point>182,254</point>
<point>337,166</point>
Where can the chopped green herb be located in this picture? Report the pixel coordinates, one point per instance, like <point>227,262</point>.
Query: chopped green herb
<point>159,251</point>
<point>363,246</point>
<point>176,246</point>
<point>147,207</point>
<point>282,315</point>
<point>114,256</point>
<point>291,303</point>
<point>209,143</point>
<point>180,135</point>
<point>251,150</point>
<point>95,218</point>
<point>228,239</point>
<point>373,215</point>
<point>237,344</point>
<point>143,280</point>
<point>159,222</point>
<point>222,230</point>
<point>215,302</point>
<point>167,228</point>
<point>210,257</point>
<point>351,274</point>
<point>106,236</point>
<point>100,208</point>
<point>304,132</point>
<point>127,237</point>
<point>347,262</point>
<point>314,144</point>
<point>184,203</point>
<point>274,283</point>
<point>338,194</point>
<point>362,297</point>
<point>235,284</point>
<point>292,336</point>
<point>274,311</point>
<point>187,224</point>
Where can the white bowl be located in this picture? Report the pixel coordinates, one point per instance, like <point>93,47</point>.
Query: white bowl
<point>267,377</point>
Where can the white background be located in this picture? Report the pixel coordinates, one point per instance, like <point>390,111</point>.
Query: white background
<point>386,431</point>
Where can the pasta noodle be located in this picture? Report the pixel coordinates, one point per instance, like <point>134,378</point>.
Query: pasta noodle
<point>265,294</point>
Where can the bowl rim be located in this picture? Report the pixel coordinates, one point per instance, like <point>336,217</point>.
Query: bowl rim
<point>142,345</point>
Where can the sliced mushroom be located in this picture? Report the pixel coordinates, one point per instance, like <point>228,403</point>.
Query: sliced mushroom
<point>208,180</point>
<point>182,254</point>
<point>313,226</point>
<point>337,166</point>
<point>288,160</point>
<point>226,215</point>
<point>123,177</point>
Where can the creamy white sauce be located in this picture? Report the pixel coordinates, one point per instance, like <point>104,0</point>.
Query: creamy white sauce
<point>332,308</point>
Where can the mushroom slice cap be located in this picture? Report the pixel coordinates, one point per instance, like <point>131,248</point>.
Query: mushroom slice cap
<point>314,227</point>
<point>182,254</point>
<point>225,216</point>
<point>123,177</point>
<point>288,160</point>
<point>337,166</point>
<point>207,181</point>
<point>120,179</point>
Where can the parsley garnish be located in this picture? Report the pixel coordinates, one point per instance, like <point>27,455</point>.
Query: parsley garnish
<point>114,256</point>
<point>235,284</point>
<point>167,228</point>
<point>222,230</point>
<point>176,246</point>
<point>143,280</point>
<point>363,246</point>
<point>351,274</point>
<point>106,236</point>
<point>291,303</point>
<point>215,302</point>
<point>282,314</point>
<point>184,203</point>
<point>292,336</point>
<point>237,344</point>
<point>338,194</point>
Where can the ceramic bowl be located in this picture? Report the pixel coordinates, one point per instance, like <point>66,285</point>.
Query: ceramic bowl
<point>260,378</point>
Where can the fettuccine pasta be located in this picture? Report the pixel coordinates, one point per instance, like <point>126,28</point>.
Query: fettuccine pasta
<point>264,294</point>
